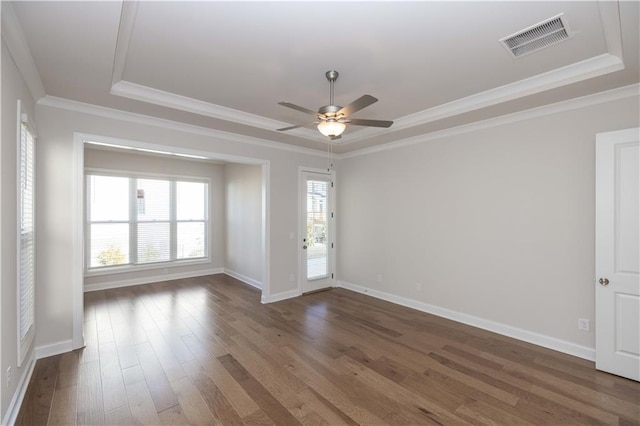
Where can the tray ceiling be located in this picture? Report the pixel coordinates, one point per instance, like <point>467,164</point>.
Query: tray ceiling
<point>225,65</point>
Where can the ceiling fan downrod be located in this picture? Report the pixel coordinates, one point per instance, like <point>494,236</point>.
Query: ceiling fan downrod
<point>332,76</point>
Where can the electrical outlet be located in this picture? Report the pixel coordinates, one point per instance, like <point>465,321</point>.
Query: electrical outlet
<point>419,286</point>
<point>583,324</point>
<point>8,376</point>
<point>292,277</point>
<point>379,278</point>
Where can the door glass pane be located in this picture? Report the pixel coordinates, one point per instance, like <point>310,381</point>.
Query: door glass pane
<point>317,230</point>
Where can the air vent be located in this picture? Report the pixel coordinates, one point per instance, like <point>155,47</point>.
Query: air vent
<point>547,33</point>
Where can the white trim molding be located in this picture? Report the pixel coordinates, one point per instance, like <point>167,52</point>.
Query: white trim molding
<point>277,297</point>
<point>558,107</point>
<point>538,339</point>
<point>18,396</point>
<point>154,96</point>
<point>54,349</point>
<point>151,279</point>
<point>132,117</point>
<point>245,279</point>
<point>589,68</point>
<point>16,43</point>
<point>125,29</point>
<point>605,63</point>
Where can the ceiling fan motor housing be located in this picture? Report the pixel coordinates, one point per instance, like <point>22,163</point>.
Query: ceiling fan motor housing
<point>329,110</point>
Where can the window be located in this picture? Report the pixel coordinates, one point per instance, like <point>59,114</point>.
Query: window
<point>26,236</point>
<point>135,220</point>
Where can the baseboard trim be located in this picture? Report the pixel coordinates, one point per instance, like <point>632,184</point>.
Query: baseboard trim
<point>496,327</point>
<point>54,349</point>
<point>16,402</point>
<point>280,296</point>
<point>149,280</point>
<point>245,279</point>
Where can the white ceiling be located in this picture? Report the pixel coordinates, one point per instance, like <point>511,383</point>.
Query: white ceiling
<point>225,65</point>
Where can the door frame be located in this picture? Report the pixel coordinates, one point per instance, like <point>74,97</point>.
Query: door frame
<point>77,273</point>
<point>605,201</point>
<point>332,229</point>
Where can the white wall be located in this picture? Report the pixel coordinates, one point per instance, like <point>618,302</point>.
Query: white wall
<point>497,224</point>
<point>243,222</point>
<point>55,224</point>
<point>13,88</point>
<point>128,160</point>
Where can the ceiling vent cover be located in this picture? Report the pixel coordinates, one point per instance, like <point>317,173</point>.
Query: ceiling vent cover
<point>547,33</point>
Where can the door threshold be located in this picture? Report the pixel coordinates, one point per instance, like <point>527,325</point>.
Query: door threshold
<point>317,291</point>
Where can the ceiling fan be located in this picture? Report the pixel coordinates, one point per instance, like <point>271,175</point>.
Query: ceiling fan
<point>332,119</point>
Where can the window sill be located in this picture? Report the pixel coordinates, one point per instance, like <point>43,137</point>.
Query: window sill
<point>137,268</point>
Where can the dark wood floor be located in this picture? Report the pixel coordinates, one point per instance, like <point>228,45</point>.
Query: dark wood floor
<point>205,351</point>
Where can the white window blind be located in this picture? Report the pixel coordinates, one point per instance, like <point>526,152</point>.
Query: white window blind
<point>139,221</point>
<point>26,240</point>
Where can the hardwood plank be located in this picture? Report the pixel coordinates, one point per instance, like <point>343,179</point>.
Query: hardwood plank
<point>63,406</point>
<point>119,416</point>
<point>239,399</point>
<point>113,392</point>
<point>193,407</point>
<point>38,399</point>
<point>204,350</point>
<point>159,387</point>
<point>141,404</point>
<point>90,403</point>
<point>274,409</point>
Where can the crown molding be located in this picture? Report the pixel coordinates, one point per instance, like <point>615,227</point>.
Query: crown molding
<point>125,29</point>
<point>147,94</point>
<point>579,71</point>
<point>19,49</point>
<point>592,67</point>
<point>610,17</point>
<point>116,114</point>
<point>558,107</point>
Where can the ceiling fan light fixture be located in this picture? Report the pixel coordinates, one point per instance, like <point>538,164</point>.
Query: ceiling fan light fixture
<point>331,128</point>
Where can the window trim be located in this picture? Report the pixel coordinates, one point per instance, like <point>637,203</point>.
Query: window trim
<point>24,345</point>
<point>118,269</point>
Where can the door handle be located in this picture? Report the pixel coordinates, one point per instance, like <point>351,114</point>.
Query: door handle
<point>603,281</point>
<point>304,247</point>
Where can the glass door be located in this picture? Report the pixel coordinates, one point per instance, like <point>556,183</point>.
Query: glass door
<point>317,218</point>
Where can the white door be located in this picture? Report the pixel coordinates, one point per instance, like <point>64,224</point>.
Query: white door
<point>618,253</point>
<point>316,231</point>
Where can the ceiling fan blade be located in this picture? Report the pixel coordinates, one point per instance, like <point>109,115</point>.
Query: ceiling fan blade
<point>296,126</point>
<point>298,108</point>
<point>373,123</point>
<point>360,103</point>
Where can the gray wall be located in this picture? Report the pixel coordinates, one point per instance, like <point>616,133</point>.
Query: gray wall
<point>13,88</point>
<point>55,201</point>
<point>243,222</point>
<point>128,160</point>
<point>497,224</point>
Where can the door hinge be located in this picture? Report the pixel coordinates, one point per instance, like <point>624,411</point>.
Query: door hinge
<point>332,215</point>
<point>331,276</point>
<point>331,245</point>
<point>332,184</point>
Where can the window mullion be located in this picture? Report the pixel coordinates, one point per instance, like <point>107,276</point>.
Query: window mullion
<point>133,221</point>
<point>173,226</point>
